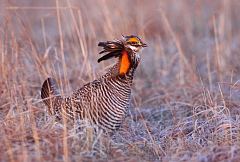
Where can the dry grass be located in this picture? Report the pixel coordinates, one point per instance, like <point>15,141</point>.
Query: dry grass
<point>186,97</point>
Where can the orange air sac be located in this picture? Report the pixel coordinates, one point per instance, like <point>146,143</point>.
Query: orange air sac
<point>124,63</point>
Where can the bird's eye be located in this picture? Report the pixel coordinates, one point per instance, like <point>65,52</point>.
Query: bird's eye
<point>134,43</point>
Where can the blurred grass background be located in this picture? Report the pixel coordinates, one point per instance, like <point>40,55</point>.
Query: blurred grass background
<point>186,96</point>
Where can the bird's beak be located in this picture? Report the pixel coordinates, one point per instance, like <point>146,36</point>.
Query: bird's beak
<point>144,45</point>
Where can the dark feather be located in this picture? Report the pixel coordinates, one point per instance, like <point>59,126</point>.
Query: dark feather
<point>101,44</point>
<point>102,51</point>
<point>109,55</point>
<point>112,48</point>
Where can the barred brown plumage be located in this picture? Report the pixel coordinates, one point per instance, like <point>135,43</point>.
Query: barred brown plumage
<point>104,101</point>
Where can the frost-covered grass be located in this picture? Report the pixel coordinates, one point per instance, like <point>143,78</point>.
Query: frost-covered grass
<point>186,95</point>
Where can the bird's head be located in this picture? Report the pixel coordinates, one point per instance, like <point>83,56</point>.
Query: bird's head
<point>126,50</point>
<point>133,43</point>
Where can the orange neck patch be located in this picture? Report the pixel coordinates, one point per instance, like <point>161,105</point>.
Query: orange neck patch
<point>124,63</point>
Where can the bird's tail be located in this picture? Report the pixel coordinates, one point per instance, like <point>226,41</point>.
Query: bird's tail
<point>50,93</point>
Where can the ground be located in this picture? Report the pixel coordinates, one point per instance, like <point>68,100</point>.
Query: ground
<point>186,94</point>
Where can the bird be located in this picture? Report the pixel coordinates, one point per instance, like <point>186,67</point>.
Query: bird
<point>106,100</point>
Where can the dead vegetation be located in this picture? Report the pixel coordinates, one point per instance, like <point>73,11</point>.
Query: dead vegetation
<point>186,97</point>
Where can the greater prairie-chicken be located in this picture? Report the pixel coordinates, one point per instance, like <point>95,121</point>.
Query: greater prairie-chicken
<point>104,101</point>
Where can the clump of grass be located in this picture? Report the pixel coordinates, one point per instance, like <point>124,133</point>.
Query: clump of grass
<point>185,101</point>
